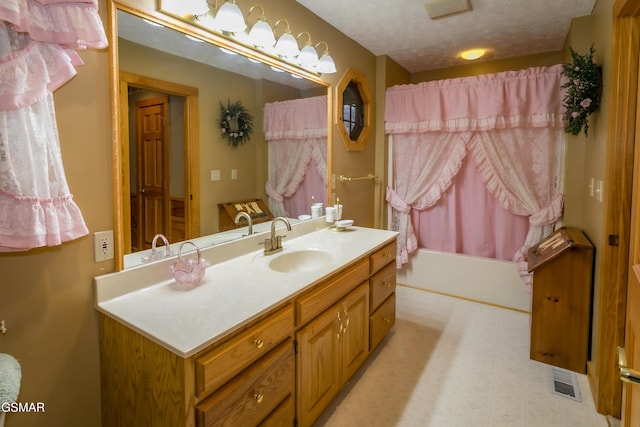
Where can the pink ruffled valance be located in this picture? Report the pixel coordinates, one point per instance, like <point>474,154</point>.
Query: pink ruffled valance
<point>526,98</point>
<point>74,24</point>
<point>296,119</point>
<point>28,75</point>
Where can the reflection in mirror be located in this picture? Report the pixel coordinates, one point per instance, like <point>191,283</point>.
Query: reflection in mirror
<point>179,171</point>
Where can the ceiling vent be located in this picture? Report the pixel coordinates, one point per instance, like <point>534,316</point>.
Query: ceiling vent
<point>442,8</point>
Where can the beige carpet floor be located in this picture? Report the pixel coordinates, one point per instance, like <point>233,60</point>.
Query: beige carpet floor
<point>449,362</point>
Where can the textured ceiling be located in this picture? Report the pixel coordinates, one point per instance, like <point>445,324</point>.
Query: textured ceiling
<point>402,30</point>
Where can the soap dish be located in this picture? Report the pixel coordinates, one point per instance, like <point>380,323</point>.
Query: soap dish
<point>341,225</point>
<point>189,272</point>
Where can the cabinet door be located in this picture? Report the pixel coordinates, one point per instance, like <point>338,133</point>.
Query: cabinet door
<point>318,379</point>
<point>354,311</point>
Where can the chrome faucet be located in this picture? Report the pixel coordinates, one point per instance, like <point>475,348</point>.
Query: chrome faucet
<point>274,243</point>
<point>246,216</point>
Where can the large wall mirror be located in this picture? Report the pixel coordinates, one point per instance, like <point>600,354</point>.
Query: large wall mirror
<point>168,85</point>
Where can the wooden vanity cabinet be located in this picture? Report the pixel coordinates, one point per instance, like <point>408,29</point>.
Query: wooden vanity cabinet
<point>335,343</point>
<point>244,379</point>
<point>330,349</point>
<point>282,369</point>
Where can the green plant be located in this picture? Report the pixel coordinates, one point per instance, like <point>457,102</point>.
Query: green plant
<point>583,84</point>
<point>236,124</point>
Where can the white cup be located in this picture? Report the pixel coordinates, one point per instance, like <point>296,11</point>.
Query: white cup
<point>316,211</point>
<point>330,212</point>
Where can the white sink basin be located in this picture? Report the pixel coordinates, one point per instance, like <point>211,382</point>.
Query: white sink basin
<point>299,260</point>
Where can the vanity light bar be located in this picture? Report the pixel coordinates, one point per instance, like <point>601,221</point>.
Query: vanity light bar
<point>229,21</point>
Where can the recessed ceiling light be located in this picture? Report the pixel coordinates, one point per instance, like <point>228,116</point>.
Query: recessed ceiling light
<point>472,54</point>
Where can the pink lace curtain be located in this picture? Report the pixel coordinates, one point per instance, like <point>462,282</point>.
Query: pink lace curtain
<point>296,132</point>
<point>38,39</point>
<point>511,125</point>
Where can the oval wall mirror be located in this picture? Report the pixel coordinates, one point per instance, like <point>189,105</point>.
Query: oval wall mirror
<point>353,110</point>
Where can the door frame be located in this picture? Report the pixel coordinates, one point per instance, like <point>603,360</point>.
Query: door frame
<point>615,260</point>
<point>191,158</point>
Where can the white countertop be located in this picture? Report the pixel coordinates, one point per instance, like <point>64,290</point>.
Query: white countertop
<point>232,292</point>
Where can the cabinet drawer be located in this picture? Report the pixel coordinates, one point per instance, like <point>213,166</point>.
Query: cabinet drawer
<point>381,321</point>
<point>382,284</point>
<point>316,301</point>
<point>224,362</point>
<point>383,257</point>
<point>283,415</point>
<point>251,397</point>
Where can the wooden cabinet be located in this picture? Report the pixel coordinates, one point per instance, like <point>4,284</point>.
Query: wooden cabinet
<point>282,368</point>
<point>562,266</point>
<point>330,349</point>
<point>243,380</point>
<point>343,330</point>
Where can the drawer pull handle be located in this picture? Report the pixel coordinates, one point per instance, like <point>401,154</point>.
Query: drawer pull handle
<point>258,397</point>
<point>259,343</point>
<point>387,284</point>
<point>386,319</point>
<point>338,325</point>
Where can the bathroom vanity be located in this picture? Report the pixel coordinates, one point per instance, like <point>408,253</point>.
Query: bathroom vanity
<point>263,340</point>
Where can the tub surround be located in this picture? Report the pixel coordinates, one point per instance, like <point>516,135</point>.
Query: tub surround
<point>237,288</point>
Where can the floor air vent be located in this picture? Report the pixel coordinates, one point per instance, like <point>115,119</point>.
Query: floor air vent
<point>564,383</point>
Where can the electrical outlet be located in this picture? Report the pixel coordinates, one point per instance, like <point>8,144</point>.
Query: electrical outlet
<point>103,245</point>
<point>234,173</point>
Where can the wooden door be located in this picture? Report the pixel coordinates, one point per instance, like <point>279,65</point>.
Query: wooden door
<point>355,331</point>
<point>318,379</point>
<point>153,170</point>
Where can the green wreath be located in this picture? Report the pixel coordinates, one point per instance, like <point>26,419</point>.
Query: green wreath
<point>583,86</point>
<point>236,124</point>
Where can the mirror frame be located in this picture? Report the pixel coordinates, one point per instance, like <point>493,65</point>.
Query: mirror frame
<point>353,76</point>
<point>119,123</point>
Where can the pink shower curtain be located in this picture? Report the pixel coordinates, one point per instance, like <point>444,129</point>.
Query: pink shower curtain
<point>511,125</point>
<point>296,132</point>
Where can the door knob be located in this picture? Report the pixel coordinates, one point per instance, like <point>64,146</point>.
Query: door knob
<point>626,374</point>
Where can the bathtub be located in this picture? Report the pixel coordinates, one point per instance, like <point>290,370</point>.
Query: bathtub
<point>480,279</point>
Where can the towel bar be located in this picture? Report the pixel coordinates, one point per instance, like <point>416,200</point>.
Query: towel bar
<point>348,179</point>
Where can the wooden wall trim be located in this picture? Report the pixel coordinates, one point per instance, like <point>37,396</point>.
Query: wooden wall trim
<point>617,210</point>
